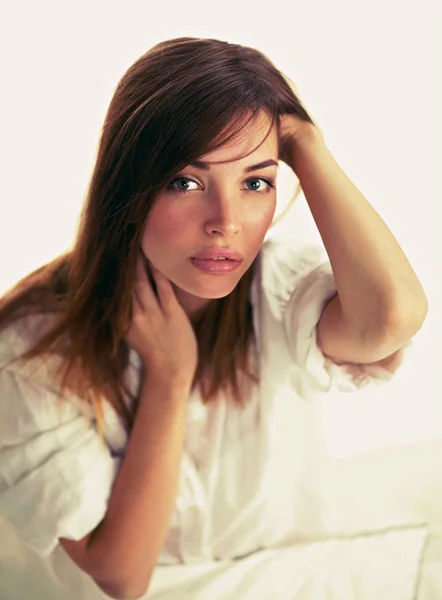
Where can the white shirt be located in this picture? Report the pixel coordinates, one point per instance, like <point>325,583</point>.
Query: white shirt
<point>245,480</point>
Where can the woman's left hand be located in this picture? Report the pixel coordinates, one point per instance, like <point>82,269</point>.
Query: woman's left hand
<point>292,128</point>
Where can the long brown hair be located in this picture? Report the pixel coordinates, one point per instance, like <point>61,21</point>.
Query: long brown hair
<point>182,99</point>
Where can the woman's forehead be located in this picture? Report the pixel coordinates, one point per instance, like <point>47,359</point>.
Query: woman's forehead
<point>250,138</point>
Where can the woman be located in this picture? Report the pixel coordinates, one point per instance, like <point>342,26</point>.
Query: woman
<point>177,342</point>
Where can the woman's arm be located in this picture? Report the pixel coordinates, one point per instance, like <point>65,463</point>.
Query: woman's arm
<point>121,553</point>
<point>380,303</point>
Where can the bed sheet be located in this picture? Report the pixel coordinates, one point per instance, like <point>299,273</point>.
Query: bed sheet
<point>396,564</point>
<point>384,565</point>
<point>430,571</point>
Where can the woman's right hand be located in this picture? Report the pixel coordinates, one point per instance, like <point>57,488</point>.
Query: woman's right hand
<point>160,330</point>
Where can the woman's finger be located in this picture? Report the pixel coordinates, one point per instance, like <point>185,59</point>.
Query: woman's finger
<point>166,293</point>
<point>143,289</point>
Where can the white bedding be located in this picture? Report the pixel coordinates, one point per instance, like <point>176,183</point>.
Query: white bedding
<point>395,564</point>
<point>430,572</point>
<point>382,566</point>
<point>394,492</point>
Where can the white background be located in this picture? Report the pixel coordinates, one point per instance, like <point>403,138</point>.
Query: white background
<point>368,73</point>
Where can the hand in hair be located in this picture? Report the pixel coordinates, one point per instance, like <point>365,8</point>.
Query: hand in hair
<point>161,331</point>
<point>290,129</point>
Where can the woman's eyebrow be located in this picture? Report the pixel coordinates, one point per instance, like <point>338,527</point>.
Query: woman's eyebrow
<point>200,164</point>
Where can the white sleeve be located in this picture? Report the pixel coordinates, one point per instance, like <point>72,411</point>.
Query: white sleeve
<point>56,474</point>
<point>301,316</point>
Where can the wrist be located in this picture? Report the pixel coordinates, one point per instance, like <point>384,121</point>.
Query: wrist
<point>175,385</point>
<point>306,135</point>
<point>307,141</point>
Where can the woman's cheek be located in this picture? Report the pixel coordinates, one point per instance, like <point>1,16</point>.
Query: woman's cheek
<point>260,222</point>
<point>164,225</point>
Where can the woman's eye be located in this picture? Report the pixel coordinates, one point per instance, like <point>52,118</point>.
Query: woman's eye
<point>180,180</point>
<point>270,184</point>
<point>256,181</point>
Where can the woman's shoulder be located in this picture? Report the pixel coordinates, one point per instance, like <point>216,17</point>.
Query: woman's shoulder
<point>282,263</point>
<point>282,257</point>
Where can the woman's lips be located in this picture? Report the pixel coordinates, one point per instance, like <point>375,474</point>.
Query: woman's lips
<point>216,266</point>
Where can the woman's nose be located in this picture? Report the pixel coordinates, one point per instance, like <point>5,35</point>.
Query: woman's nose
<point>224,217</point>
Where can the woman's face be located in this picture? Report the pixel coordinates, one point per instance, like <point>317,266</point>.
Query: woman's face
<point>223,205</point>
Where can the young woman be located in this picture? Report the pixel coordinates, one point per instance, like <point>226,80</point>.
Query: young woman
<point>154,377</point>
